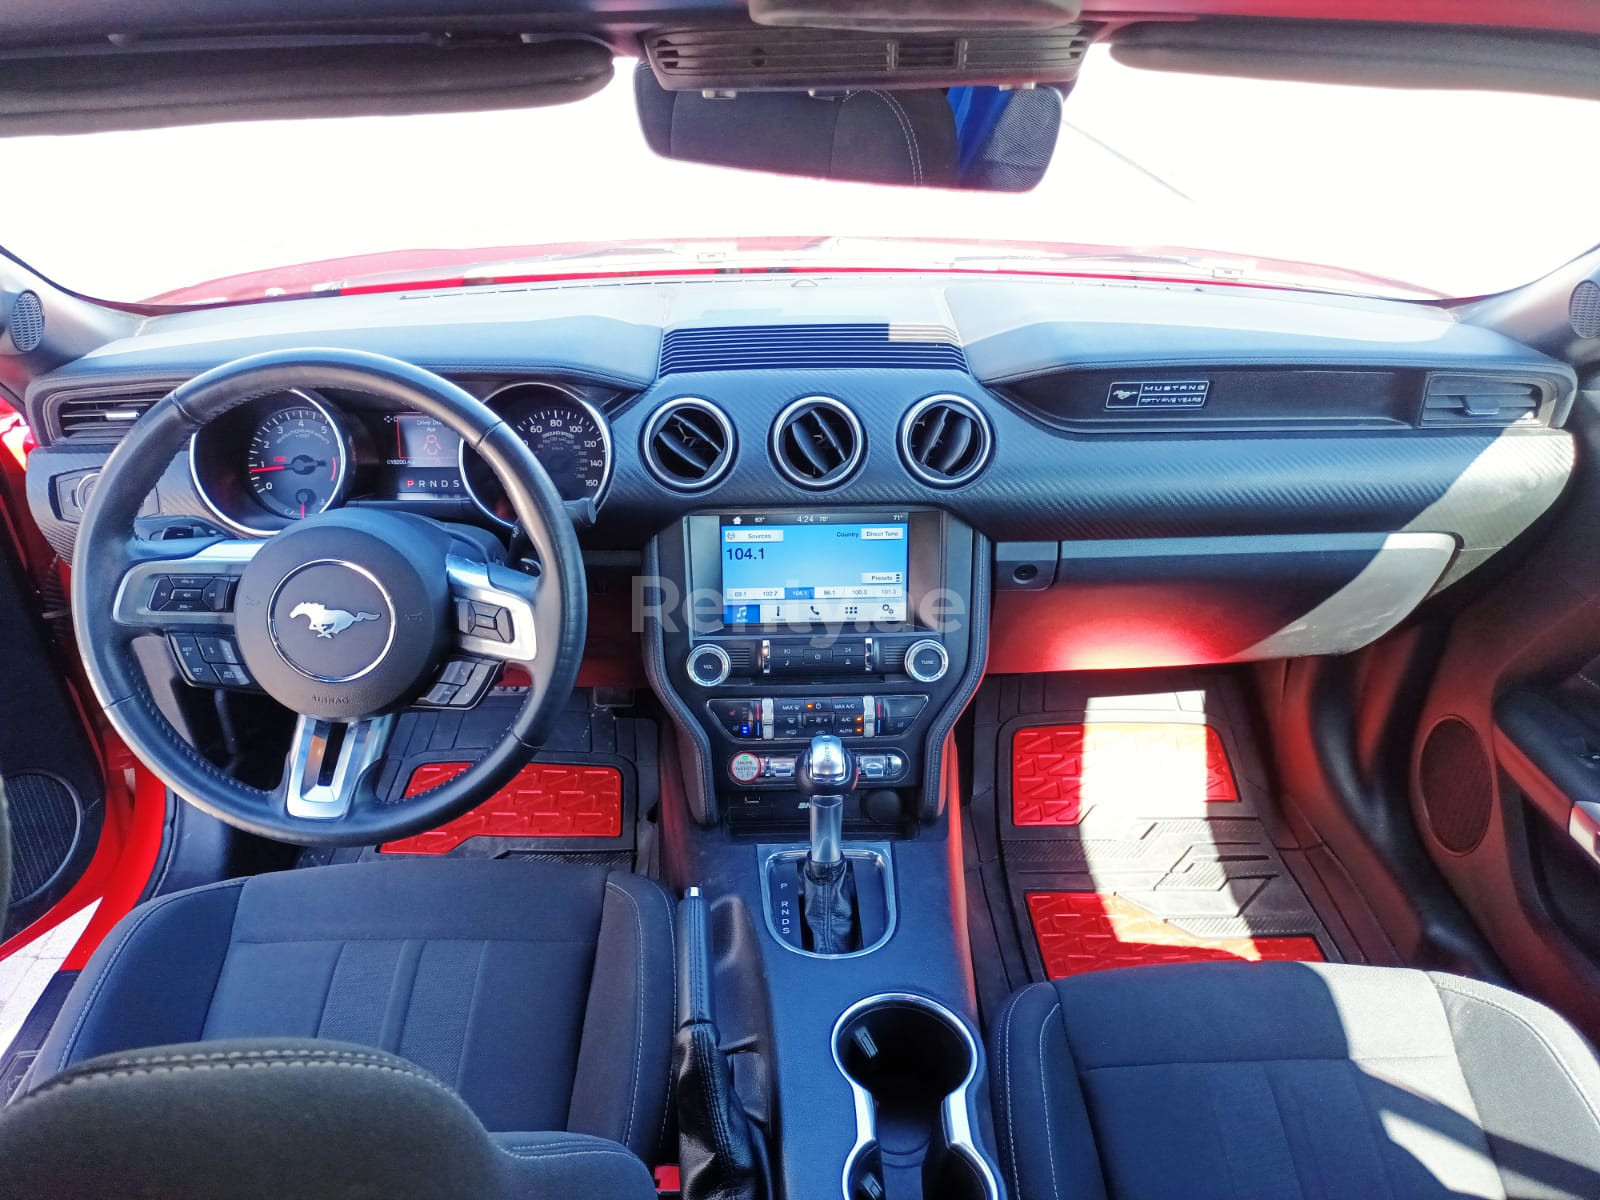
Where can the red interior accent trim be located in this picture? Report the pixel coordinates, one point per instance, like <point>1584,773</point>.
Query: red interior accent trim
<point>1091,931</point>
<point>126,854</point>
<point>1058,771</point>
<point>545,800</point>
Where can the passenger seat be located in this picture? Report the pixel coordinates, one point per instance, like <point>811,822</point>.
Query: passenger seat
<point>1213,1081</point>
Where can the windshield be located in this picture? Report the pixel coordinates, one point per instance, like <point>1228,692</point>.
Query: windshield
<point>1410,193</point>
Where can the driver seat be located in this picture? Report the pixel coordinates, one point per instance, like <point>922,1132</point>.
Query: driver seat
<point>541,995</point>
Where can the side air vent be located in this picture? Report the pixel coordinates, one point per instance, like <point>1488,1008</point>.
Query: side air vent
<point>946,440</point>
<point>26,321</point>
<point>100,418</point>
<point>729,59</point>
<point>817,442</point>
<point>1486,401</point>
<point>688,444</point>
<point>808,347</point>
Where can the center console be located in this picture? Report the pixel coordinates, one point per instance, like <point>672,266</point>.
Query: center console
<point>777,625</point>
<point>814,662</point>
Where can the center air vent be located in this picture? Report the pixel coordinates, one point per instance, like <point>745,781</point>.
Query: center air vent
<point>817,442</point>
<point>945,440</point>
<point>100,418</point>
<point>688,444</point>
<point>1487,401</point>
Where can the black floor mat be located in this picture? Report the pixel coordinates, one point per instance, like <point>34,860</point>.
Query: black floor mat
<point>588,735</point>
<point>1126,849</point>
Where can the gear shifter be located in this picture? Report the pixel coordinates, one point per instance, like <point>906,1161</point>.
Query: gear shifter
<point>825,774</point>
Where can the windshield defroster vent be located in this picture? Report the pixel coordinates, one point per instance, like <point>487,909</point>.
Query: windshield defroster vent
<point>688,444</point>
<point>808,347</point>
<point>817,442</point>
<point>100,418</point>
<point>945,440</point>
<point>1480,401</point>
<point>729,59</point>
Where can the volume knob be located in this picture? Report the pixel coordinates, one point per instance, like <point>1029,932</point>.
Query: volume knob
<point>708,665</point>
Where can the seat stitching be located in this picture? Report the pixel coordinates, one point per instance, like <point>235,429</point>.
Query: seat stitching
<point>294,941</point>
<point>672,950</point>
<point>116,955</point>
<point>1538,1036</point>
<point>1276,1058</point>
<point>264,1061</point>
<point>1011,1126</point>
<point>1044,1089</point>
<point>472,1003</point>
<point>574,1154</point>
<point>638,1031</point>
<point>905,131</point>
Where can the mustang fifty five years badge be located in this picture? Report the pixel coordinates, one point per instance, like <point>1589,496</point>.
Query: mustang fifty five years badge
<point>1159,393</point>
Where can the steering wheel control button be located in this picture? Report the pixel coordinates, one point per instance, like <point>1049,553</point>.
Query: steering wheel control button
<point>218,650</point>
<point>927,661</point>
<point>709,665</point>
<point>232,675</point>
<point>218,594</point>
<point>745,767</point>
<point>462,683</point>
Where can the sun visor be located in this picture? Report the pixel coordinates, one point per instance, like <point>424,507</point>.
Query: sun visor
<point>1368,54</point>
<point>147,86</point>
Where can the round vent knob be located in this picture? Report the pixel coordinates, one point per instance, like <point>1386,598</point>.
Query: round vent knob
<point>688,444</point>
<point>945,440</point>
<point>817,442</point>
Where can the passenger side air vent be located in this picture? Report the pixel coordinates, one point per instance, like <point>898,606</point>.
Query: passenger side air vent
<point>688,444</point>
<point>729,59</point>
<point>946,440</point>
<point>1480,401</point>
<point>808,347</point>
<point>817,442</point>
<point>100,418</point>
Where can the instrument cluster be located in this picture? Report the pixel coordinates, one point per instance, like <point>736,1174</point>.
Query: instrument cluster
<point>287,456</point>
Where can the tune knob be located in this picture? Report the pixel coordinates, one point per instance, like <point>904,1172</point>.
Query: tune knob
<point>708,665</point>
<point>927,661</point>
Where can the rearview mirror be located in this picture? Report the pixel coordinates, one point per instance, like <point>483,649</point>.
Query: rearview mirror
<point>977,138</point>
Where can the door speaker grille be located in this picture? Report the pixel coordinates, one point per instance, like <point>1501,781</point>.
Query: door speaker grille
<point>1457,787</point>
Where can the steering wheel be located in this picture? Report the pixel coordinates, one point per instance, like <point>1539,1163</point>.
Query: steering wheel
<point>345,618</point>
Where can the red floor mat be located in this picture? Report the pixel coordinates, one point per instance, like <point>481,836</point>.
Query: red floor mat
<point>1089,931</point>
<point>1057,771</point>
<point>545,800</point>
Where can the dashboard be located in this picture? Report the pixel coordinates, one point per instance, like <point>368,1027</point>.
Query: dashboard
<point>1154,474</point>
<point>283,457</point>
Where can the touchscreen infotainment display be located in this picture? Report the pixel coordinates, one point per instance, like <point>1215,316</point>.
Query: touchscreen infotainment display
<point>802,572</point>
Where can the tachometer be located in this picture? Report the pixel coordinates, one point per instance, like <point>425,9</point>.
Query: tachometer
<point>297,460</point>
<point>567,435</point>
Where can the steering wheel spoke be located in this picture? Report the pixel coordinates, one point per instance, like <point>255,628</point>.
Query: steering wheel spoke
<point>332,765</point>
<point>494,609</point>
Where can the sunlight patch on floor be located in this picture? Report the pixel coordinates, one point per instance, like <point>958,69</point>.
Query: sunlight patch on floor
<point>25,975</point>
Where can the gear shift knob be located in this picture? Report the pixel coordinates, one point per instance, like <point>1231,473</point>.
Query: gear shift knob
<point>825,773</point>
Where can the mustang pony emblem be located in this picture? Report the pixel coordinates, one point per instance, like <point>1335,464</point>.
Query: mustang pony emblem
<point>325,622</point>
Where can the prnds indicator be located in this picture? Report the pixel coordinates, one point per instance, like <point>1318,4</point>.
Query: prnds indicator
<point>803,573</point>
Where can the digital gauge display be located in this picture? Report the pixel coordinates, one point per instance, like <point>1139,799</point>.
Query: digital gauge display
<point>422,455</point>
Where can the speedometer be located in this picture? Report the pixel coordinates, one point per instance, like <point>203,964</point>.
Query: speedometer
<point>567,435</point>
<point>296,460</point>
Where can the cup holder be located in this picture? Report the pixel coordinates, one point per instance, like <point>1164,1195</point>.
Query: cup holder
<point>911,1064</point>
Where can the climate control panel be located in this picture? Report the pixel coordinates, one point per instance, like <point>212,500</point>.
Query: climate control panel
<point>799,718</point>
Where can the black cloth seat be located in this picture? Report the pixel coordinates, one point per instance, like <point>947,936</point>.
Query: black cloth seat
<point>1284,1080</point>
<point>541,994</point>
<point>268,1119</point>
